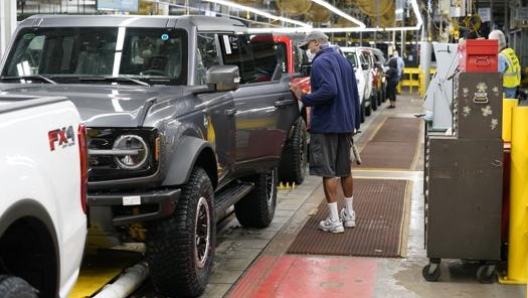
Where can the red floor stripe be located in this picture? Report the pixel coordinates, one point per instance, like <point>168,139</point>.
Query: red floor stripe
<point>307,277</point>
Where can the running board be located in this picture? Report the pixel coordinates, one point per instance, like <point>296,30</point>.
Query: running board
<point>231,194</point>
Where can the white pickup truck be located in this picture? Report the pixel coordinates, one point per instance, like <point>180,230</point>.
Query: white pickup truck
<point>43,176</point>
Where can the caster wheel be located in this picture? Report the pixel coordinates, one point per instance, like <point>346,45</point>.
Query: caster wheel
<point>486,274</point>
<point>431,272</point>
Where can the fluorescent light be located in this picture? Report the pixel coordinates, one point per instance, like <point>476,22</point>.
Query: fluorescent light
<point>339,12</point>
<point>370,29</point>
<point>414,4</point>
<point>416,9</point>
<point>418,26</point>
<point>329,30</point>
<point>280,30</point>
<point>259,12</point>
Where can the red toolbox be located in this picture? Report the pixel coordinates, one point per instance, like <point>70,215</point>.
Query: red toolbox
<point>478,55</point>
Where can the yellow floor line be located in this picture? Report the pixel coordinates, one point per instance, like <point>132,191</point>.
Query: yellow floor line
<point>90,281</point>
<point>385,177</point>
<point>98,270</point>
<point>390,170</point>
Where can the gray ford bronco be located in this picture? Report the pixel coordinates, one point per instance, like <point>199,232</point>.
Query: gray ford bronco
<point>186,117</point>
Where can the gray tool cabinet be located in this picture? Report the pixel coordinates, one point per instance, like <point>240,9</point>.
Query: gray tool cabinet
<point>463,179</point>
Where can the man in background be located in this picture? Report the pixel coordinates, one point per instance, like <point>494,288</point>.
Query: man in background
<point>509,65</point>
<point>400,64</point>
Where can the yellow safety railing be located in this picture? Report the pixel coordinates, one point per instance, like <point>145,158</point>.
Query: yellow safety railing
<point>518,219</point>
<point>412,78</point>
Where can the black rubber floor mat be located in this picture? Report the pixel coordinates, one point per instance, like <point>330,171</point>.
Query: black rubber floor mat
<point>394,146</point>
<point>379,206</point>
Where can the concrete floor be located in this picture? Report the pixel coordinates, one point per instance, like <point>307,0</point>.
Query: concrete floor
<point>253,263</point>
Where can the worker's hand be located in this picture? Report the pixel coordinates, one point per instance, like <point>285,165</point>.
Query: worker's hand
<point>296,89</point>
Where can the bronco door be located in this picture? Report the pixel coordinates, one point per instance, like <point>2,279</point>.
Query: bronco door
<point>265,106</point>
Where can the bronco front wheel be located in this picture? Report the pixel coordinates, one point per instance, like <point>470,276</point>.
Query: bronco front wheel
<point>180,249</point>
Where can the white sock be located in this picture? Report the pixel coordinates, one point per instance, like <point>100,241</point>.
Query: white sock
<point>349,203</point>
<point>334,214</point>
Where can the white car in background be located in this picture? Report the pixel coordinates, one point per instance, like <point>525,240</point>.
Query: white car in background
<point>363,76</point>
<point>360,78</point>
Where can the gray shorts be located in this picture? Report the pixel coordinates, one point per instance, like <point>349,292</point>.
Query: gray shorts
<point>330,154</point>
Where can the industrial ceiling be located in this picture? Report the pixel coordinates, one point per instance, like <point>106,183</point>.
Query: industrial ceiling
<point>380,16</point>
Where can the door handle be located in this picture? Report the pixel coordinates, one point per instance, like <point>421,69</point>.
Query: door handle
<point>283,102</point>
<point>230,112</point>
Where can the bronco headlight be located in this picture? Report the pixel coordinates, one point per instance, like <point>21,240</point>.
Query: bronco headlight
<point>131,152</point>
<point>122,153</point>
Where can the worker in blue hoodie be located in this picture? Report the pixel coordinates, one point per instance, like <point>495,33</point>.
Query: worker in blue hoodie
<point>334,118</point>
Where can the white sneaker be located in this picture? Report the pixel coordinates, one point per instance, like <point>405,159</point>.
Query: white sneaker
<point>349,220</point>
<point>331,226</point>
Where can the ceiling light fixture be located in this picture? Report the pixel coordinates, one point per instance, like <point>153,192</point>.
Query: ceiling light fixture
<point>418,26</point>
<point>287,30</point>
<point>414,4</point>
<point>209,12</point>
<point>339,12</point>
<point>259,12</point>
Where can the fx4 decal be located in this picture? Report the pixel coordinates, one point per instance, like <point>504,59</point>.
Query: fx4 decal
<point>61,137</point>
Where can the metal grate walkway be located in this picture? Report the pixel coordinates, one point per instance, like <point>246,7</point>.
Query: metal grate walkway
<point>379,206</point>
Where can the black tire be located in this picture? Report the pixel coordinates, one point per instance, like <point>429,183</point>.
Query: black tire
<point>431,276</point>
<point>292,167</point>
<point>486,274</point>
<point>16,287</point>
<point>368,109</point>
<point>180,249</point>
<point>374,101</point>
<point>257,209</point>
<point>362,111</point>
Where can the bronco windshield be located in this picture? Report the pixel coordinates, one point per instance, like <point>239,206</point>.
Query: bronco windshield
<point>150,55</point>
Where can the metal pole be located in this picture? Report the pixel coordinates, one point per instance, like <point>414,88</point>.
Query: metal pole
<point>393,44</point>
<point>360,39</point>
<point>403,43</point>
<point>425,65</point>
<point>8,22</point>
<point>425,58</point>
<point>125,285</point>
<point>492,21</point>
<point>506,19</point>
<point>378,14</point>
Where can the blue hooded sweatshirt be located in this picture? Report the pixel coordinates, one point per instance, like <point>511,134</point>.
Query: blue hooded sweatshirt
<point>334,98</point>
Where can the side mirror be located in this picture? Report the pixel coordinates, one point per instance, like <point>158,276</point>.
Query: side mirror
<point>222,78</point>
<point>306,69</point>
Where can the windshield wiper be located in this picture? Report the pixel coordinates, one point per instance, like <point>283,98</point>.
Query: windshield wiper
<point>139,82</point>
<point>30,77</point>
<point>115,79</point>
